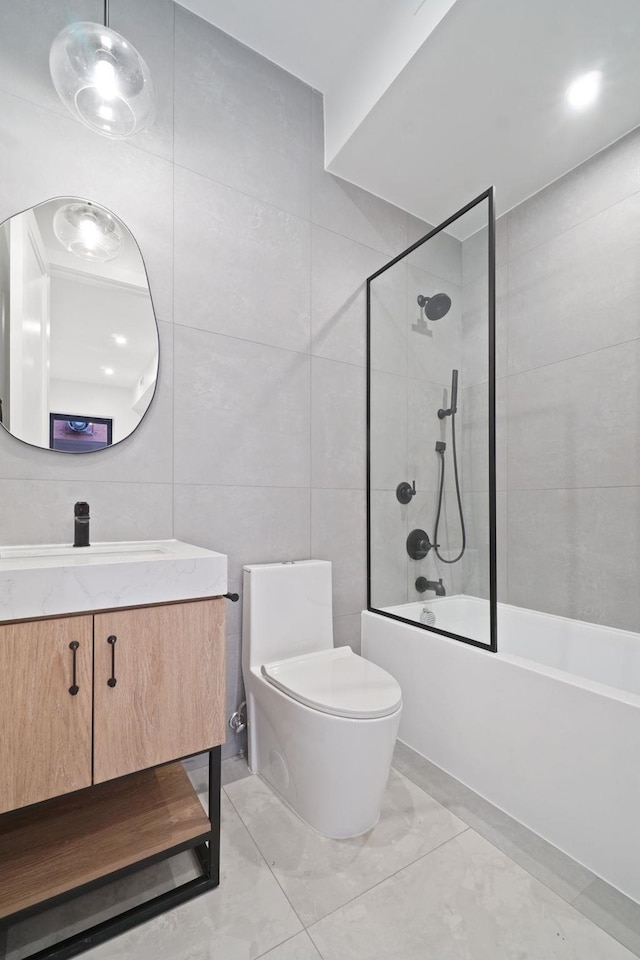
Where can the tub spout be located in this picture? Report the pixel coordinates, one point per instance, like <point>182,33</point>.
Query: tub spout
<point>437,586</point>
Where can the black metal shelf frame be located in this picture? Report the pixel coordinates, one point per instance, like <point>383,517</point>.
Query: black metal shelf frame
<point>207,850</point>
<point>487,196</point>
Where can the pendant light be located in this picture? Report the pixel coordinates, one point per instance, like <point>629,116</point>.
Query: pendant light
<point>102,79</point>
<point>88,231</point>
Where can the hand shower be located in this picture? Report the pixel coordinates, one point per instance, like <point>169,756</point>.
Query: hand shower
<point>440,448</point>
<point>454,398</point>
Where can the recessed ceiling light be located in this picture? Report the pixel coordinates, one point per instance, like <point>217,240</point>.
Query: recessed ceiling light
<point>108,371</point>
<point>583,91</point>
<point>120,340</point>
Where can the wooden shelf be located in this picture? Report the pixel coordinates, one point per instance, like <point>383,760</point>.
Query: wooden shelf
<point>72,840</point>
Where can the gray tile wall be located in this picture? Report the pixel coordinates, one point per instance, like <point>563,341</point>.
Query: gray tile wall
<point>257,260</point>
<point>568,396</point>
<point>410,381</point>
<point>474,418</point>
<point>571,393</point>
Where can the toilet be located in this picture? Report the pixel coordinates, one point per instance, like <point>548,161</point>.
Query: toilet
<point>322,721</point>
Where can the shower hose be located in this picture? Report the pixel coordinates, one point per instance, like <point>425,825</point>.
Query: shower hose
<point>440,494</point>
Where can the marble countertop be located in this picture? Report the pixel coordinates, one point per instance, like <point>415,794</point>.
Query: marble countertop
<point>49,579</point>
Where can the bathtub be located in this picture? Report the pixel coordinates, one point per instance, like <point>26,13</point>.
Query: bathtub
<point>547,729</point>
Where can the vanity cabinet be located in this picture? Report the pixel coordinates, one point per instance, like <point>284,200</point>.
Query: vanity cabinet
<point>94,709</point>
<point>45,729</point>
<point>148,688</point>
<point>168,697</point>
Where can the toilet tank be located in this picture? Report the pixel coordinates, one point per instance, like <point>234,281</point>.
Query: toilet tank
<point>287,610</point>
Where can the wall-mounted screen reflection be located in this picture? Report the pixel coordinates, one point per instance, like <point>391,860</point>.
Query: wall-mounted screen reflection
<point>75,434</point>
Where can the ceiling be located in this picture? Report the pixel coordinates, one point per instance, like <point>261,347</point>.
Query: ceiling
<point>428,103</point>
<point>308,38</point>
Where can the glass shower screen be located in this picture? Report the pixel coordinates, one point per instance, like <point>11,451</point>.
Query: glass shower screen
<point>431,430</point>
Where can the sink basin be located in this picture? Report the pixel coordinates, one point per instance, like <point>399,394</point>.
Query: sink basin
<point>47,579</point>
<point>82,554</point>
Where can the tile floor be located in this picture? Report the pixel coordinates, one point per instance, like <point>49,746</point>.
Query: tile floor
<point>443,876</point>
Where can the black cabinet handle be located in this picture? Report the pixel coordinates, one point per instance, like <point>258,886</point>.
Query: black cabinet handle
<point>73,646</point>
<point>234,597</point>
<point>111,682</point>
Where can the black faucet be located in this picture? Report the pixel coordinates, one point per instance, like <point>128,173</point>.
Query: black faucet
<point>81,524</point>
<point>423,584</point>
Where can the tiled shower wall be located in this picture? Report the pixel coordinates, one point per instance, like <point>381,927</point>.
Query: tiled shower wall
<point>410,381</point>
<point>254,444</point>
<point>474,411</point>
<point>568,405</point>
<point>569,363</point>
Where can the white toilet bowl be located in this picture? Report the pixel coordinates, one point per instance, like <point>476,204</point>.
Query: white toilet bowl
<point>322,721</point>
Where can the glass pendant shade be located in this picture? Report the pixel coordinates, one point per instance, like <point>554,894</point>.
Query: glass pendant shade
<point>88,231</point>
<point>102,79</point>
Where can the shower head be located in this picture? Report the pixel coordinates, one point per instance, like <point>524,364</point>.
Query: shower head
<point>435,307</point>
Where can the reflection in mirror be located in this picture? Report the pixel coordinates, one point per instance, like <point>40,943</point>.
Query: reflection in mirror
<point>78,337</point>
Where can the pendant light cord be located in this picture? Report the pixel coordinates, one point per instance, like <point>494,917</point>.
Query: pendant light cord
<point>106,13</point>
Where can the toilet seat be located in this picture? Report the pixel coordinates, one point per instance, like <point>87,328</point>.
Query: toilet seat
<point>336,681</point>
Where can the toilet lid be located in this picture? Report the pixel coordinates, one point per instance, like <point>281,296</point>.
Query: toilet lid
<point>337,681</point>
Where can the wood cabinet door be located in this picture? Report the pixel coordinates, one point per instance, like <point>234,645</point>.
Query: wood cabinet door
<point>168,699</point>
<point>45,730</point>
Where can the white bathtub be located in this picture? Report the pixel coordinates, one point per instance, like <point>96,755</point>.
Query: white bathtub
<point>547,729</point>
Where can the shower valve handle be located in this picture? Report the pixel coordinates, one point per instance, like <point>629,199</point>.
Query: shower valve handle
<point>405,491</point>
<point>418,544</point>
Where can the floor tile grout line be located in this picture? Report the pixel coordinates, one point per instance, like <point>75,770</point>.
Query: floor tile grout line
<point>262,956</point>
<point>384,880</point>
<point>298,917</point>
<point>408,864</point>
<point>570,902</point>
<point>263,858</point>
<point>460,816</point>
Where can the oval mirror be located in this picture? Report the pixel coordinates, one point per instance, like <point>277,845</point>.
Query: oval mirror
<point>78,336</point>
